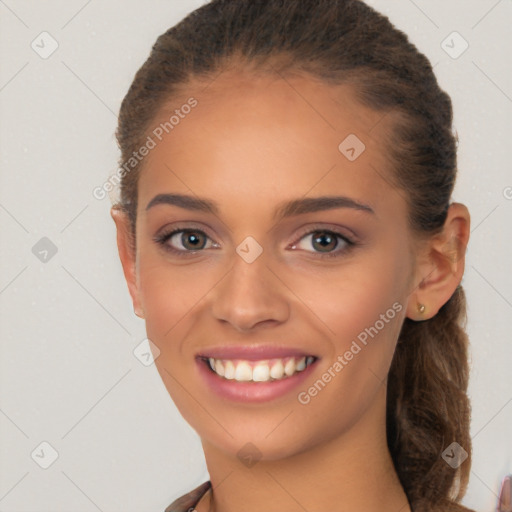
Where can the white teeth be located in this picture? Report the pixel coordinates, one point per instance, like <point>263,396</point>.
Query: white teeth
<point>289,367</point>
<point>219,368</point>
<point>243,371</point>
<point>277,370</point>
<point>260,371</point>
<point>229,370</point>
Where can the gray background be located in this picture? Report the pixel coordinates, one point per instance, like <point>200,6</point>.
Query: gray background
<point>68,374</point>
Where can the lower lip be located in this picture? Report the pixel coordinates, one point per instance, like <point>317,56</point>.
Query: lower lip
<point>251,392</point>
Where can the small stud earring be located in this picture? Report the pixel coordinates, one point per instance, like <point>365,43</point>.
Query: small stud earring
<point>421,308</point>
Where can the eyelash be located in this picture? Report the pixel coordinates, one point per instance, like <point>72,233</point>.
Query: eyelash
<point>162,239</point>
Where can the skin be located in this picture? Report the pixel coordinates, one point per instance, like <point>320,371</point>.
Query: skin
<point>250,144</point>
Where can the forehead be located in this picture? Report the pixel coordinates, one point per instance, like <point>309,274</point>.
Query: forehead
<point>265,136</point>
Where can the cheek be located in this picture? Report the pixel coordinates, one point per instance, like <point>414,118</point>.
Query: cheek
<point>169,294</point>
<point>363,313</point>
<point>353,297</point>
<point>359,308</point>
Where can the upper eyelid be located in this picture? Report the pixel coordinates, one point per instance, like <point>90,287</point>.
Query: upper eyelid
<point>342,232</point>
<point>171,231</point>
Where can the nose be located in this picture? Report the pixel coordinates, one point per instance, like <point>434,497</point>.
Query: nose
<point>250,295</point>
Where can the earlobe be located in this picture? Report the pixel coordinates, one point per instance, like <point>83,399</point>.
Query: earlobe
<point>127,255</point>
<point>441,265</point>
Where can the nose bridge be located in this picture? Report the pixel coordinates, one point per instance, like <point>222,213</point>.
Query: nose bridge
<point>249,293</point>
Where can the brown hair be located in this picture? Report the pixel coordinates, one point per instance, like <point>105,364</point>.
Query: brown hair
<point>347,42</point>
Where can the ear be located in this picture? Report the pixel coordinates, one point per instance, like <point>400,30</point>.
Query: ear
<point>440,265</point>
<point>127,254</point>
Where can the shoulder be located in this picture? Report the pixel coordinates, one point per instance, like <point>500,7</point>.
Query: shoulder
<point>189,500</point>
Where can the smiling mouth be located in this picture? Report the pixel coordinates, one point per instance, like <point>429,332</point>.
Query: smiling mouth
<point>265,370</point>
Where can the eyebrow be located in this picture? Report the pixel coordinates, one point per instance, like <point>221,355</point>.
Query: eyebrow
<point>287,209</point>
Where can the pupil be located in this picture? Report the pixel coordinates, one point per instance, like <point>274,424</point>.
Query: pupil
<point>325,237</point>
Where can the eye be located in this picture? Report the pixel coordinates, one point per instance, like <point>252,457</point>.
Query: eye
<point>182,241</point>
<point>190,241</point>
<point>326,243</point>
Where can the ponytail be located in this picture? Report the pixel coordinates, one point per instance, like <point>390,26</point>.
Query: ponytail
<point>428,408</point>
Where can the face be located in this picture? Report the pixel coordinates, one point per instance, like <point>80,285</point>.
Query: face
<point>327,279</point>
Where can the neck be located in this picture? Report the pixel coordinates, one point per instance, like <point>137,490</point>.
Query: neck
<point>350,471</point>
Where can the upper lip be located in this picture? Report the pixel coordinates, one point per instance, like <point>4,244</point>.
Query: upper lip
<point>252,353</point>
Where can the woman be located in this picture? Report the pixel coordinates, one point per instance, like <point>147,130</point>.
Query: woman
<point>286,231</point>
